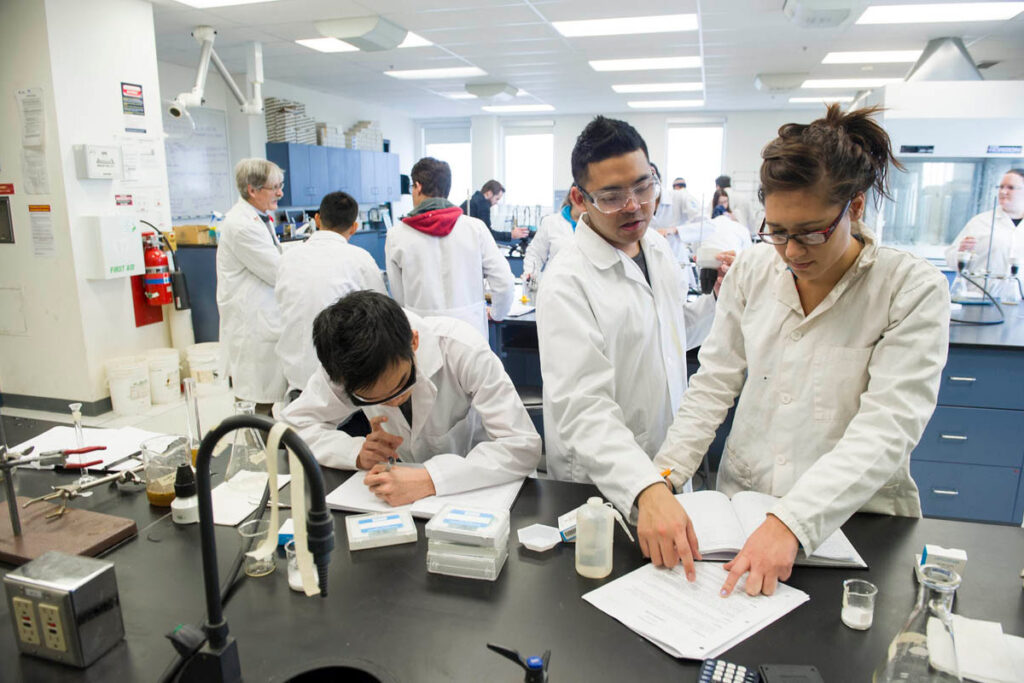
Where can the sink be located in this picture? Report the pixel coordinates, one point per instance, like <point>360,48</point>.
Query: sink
<point>331,674</point>
<point>337,670</point>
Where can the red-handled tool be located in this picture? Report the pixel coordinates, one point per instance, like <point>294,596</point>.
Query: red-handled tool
<point>80,465</point>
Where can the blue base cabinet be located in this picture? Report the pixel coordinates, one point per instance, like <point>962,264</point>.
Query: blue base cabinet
<point>968,462</point>
<point>311,171</point>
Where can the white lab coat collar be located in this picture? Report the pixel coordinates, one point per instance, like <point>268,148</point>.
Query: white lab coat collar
<point>327,235</point>
<point>603,255</point>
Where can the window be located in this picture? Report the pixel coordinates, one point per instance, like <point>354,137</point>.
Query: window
<point>695,153</point>
<point>452,144</point>
<point>529,165</point>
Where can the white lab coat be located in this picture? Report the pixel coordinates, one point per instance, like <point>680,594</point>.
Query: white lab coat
<point>311,277</point>
<point>1007,242</point>
<point>685,208</point>
<point>553,234</point>
<point>722,232</point>
<point>250,324</point>
<point>445,276</point>
<point>830,404</point>
<point>613,360</point>
<point>469,426</point>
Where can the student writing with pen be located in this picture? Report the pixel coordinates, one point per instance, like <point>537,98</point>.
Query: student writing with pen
<point>434,392</point>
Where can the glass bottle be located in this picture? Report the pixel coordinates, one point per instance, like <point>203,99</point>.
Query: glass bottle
<point>908,655</point>
<point>1011,287</point>
<point>959,289</point>
<point>192,428</point>
<point>247,465</point>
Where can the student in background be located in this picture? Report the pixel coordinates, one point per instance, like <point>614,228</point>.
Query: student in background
<point>247,258</point>
<point>613,324</point>
<point>833,346</point>
<point>438,259</point>
<point>479,206</point>
<point>1008,235</point>
<point>314,275</point>
<point>434,392</point>
<point>555,231</point>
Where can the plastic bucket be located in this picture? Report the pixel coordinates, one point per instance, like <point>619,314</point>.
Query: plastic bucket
<point>207,365</point>
<point>164,375</point>
<point>128,377</point>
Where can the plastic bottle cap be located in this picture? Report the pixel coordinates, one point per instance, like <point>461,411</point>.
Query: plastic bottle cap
<point>595,500</point>
<point>534,663</point>
<point>184,482</point>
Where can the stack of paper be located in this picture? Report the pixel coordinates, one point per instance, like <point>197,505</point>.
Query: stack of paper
<point>119,442</point>
<point>691,620</point>
<point>983,652</point>
<point>355,496</point>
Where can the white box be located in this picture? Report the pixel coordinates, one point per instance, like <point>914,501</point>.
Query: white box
<point>112,247</point>
<point>99,162</point>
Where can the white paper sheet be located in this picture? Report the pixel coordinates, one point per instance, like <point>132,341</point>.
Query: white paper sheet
<point>354,496</point>
<point>119,443</point>
<point>235,500</point>
<point>32,115</point>
<point>984,654</point>
<point>33,171</point>
<point>690,620</point>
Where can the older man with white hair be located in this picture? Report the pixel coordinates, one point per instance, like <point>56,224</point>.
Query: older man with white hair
<point>247,258</point>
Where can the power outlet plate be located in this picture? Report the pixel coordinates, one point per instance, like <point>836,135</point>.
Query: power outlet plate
<point>53,627</point>
<point>25,613</point>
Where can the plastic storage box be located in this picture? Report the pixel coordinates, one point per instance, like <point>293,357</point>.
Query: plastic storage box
<point>469,526</point>
<point>379,529</point>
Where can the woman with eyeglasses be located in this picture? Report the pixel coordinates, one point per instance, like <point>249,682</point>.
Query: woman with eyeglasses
<point>833,347</point>
<point>1007,244</point>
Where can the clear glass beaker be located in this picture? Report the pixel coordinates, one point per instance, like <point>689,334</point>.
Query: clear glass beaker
<point>253,532</point>
<point>161,456</point>
<point>247,464</point>
<point>908,656</point>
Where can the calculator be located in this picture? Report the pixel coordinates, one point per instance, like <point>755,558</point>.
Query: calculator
<point>721,671</point>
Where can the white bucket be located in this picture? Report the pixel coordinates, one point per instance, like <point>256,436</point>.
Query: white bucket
<point>208,366</point>
<point>128,377</point>
<point>164,375</point>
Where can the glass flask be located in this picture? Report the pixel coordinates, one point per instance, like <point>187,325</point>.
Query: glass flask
<point>247,464</point>
<point>908,655</point>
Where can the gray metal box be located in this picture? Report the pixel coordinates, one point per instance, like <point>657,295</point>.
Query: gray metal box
<point>65,607</point>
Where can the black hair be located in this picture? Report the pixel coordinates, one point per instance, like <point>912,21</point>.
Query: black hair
<point>434,177</point>
<point>360,337</point>
<point>723,181</point>
<point>603,138</point>
<point>338,211</point>
<point>657,173</point>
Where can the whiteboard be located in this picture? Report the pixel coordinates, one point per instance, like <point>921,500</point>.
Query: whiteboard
<point>199,173</point>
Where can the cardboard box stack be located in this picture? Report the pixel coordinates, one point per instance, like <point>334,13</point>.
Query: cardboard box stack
<point>287,122</point>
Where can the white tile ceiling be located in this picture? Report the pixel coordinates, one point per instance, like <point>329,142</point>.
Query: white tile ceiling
<point>513,41</point>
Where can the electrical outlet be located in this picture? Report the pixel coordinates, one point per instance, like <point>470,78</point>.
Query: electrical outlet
<point>25,614</point>
<point>53,627</point>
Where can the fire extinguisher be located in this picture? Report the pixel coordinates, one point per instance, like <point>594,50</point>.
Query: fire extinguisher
<point>158,275</point>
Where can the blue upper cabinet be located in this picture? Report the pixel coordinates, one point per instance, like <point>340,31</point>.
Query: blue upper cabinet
<point>312,171</point>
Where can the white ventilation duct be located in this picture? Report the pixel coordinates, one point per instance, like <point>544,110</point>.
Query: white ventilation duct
<point>945,59</point>
<point>369,34</point>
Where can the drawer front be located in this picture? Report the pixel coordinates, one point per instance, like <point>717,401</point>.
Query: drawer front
<point>980,436</point>
<point>974,492</point>
<point>983,378</point>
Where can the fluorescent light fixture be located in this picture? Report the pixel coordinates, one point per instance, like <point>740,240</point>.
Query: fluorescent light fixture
<point>644,64</point>
<point>458,95</point>
<point>204,4</point>
<point>873,57</point>
<point>940,13</point>
<point>453,72</point>
<point>413,40</point>
<point>327,45</point>
<point>665,104</point>
<point>622,26</point>
<point>841,83</point>
<point>514,108</point>
<point>658,87</point>
<point>821,100</point>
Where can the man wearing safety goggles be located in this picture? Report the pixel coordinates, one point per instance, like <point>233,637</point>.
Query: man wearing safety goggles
<point>434,393</point>
<point>613,323</point>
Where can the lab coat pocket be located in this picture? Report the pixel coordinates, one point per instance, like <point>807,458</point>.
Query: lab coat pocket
<point>839,377</point>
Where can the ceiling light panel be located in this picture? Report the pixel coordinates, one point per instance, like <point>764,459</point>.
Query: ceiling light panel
<point>517,108</point>
<point>873,57</point>
<point>666,23</point>
<point>665,104</point>
<point>413,40</point>
<point>206,4</point>
<point>327,45</point>
<point>423,74</point>
<point>458,95</point>
<point>658,87</point>
<point>940,13</point>
<point>842,99</point>
<point>645,64</point>
<point>840,83</point>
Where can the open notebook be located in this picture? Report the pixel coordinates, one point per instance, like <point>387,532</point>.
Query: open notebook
<point>723,525</point>
<point>355,496</point>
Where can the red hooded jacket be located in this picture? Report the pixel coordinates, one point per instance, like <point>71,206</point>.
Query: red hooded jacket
<point>438,223</point>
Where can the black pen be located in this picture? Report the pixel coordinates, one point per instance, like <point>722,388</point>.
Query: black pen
<point>121,460</point>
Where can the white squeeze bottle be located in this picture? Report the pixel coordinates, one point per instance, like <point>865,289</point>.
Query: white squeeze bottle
<point>595,524</point>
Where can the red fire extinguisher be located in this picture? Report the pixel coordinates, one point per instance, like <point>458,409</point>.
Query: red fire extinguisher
<point>158,275</point>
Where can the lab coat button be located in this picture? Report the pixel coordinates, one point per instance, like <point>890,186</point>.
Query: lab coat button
<point>786,399</point>
<point>796,336</point>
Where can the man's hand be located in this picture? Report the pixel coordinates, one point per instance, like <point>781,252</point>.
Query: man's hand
<point>520,233</point>
<point>725,258</point>
<point>401,485</point>
<point>665,531</point>
<point>968,244</point>
<point>768,555</point>
<point>379,445</point>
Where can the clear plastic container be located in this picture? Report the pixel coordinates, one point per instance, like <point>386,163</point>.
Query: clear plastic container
<point>462,550</point>
<point>595,524</point>
<point>379,529</point>
<point>470,526</point>
<point>466,567</point>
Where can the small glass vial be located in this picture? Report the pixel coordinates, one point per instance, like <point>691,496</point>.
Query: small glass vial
<point>595,524</point>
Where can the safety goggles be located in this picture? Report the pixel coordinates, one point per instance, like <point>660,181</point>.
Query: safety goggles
<point>613,201</point>
<point>361,402</point>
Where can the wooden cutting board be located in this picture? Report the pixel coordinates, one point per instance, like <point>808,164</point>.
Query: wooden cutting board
<point>78,532</point>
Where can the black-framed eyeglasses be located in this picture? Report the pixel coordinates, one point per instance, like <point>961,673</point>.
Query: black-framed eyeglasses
<point>361,402</point>
<point>613,201</point>
<point>808,239</point>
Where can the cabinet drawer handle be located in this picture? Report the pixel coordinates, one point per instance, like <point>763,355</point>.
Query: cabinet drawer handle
<point>962,379</point>
<point>953,437</point>
<point>946,492</point>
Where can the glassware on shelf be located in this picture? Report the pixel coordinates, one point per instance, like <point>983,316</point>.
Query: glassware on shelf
<point>908,658</point>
